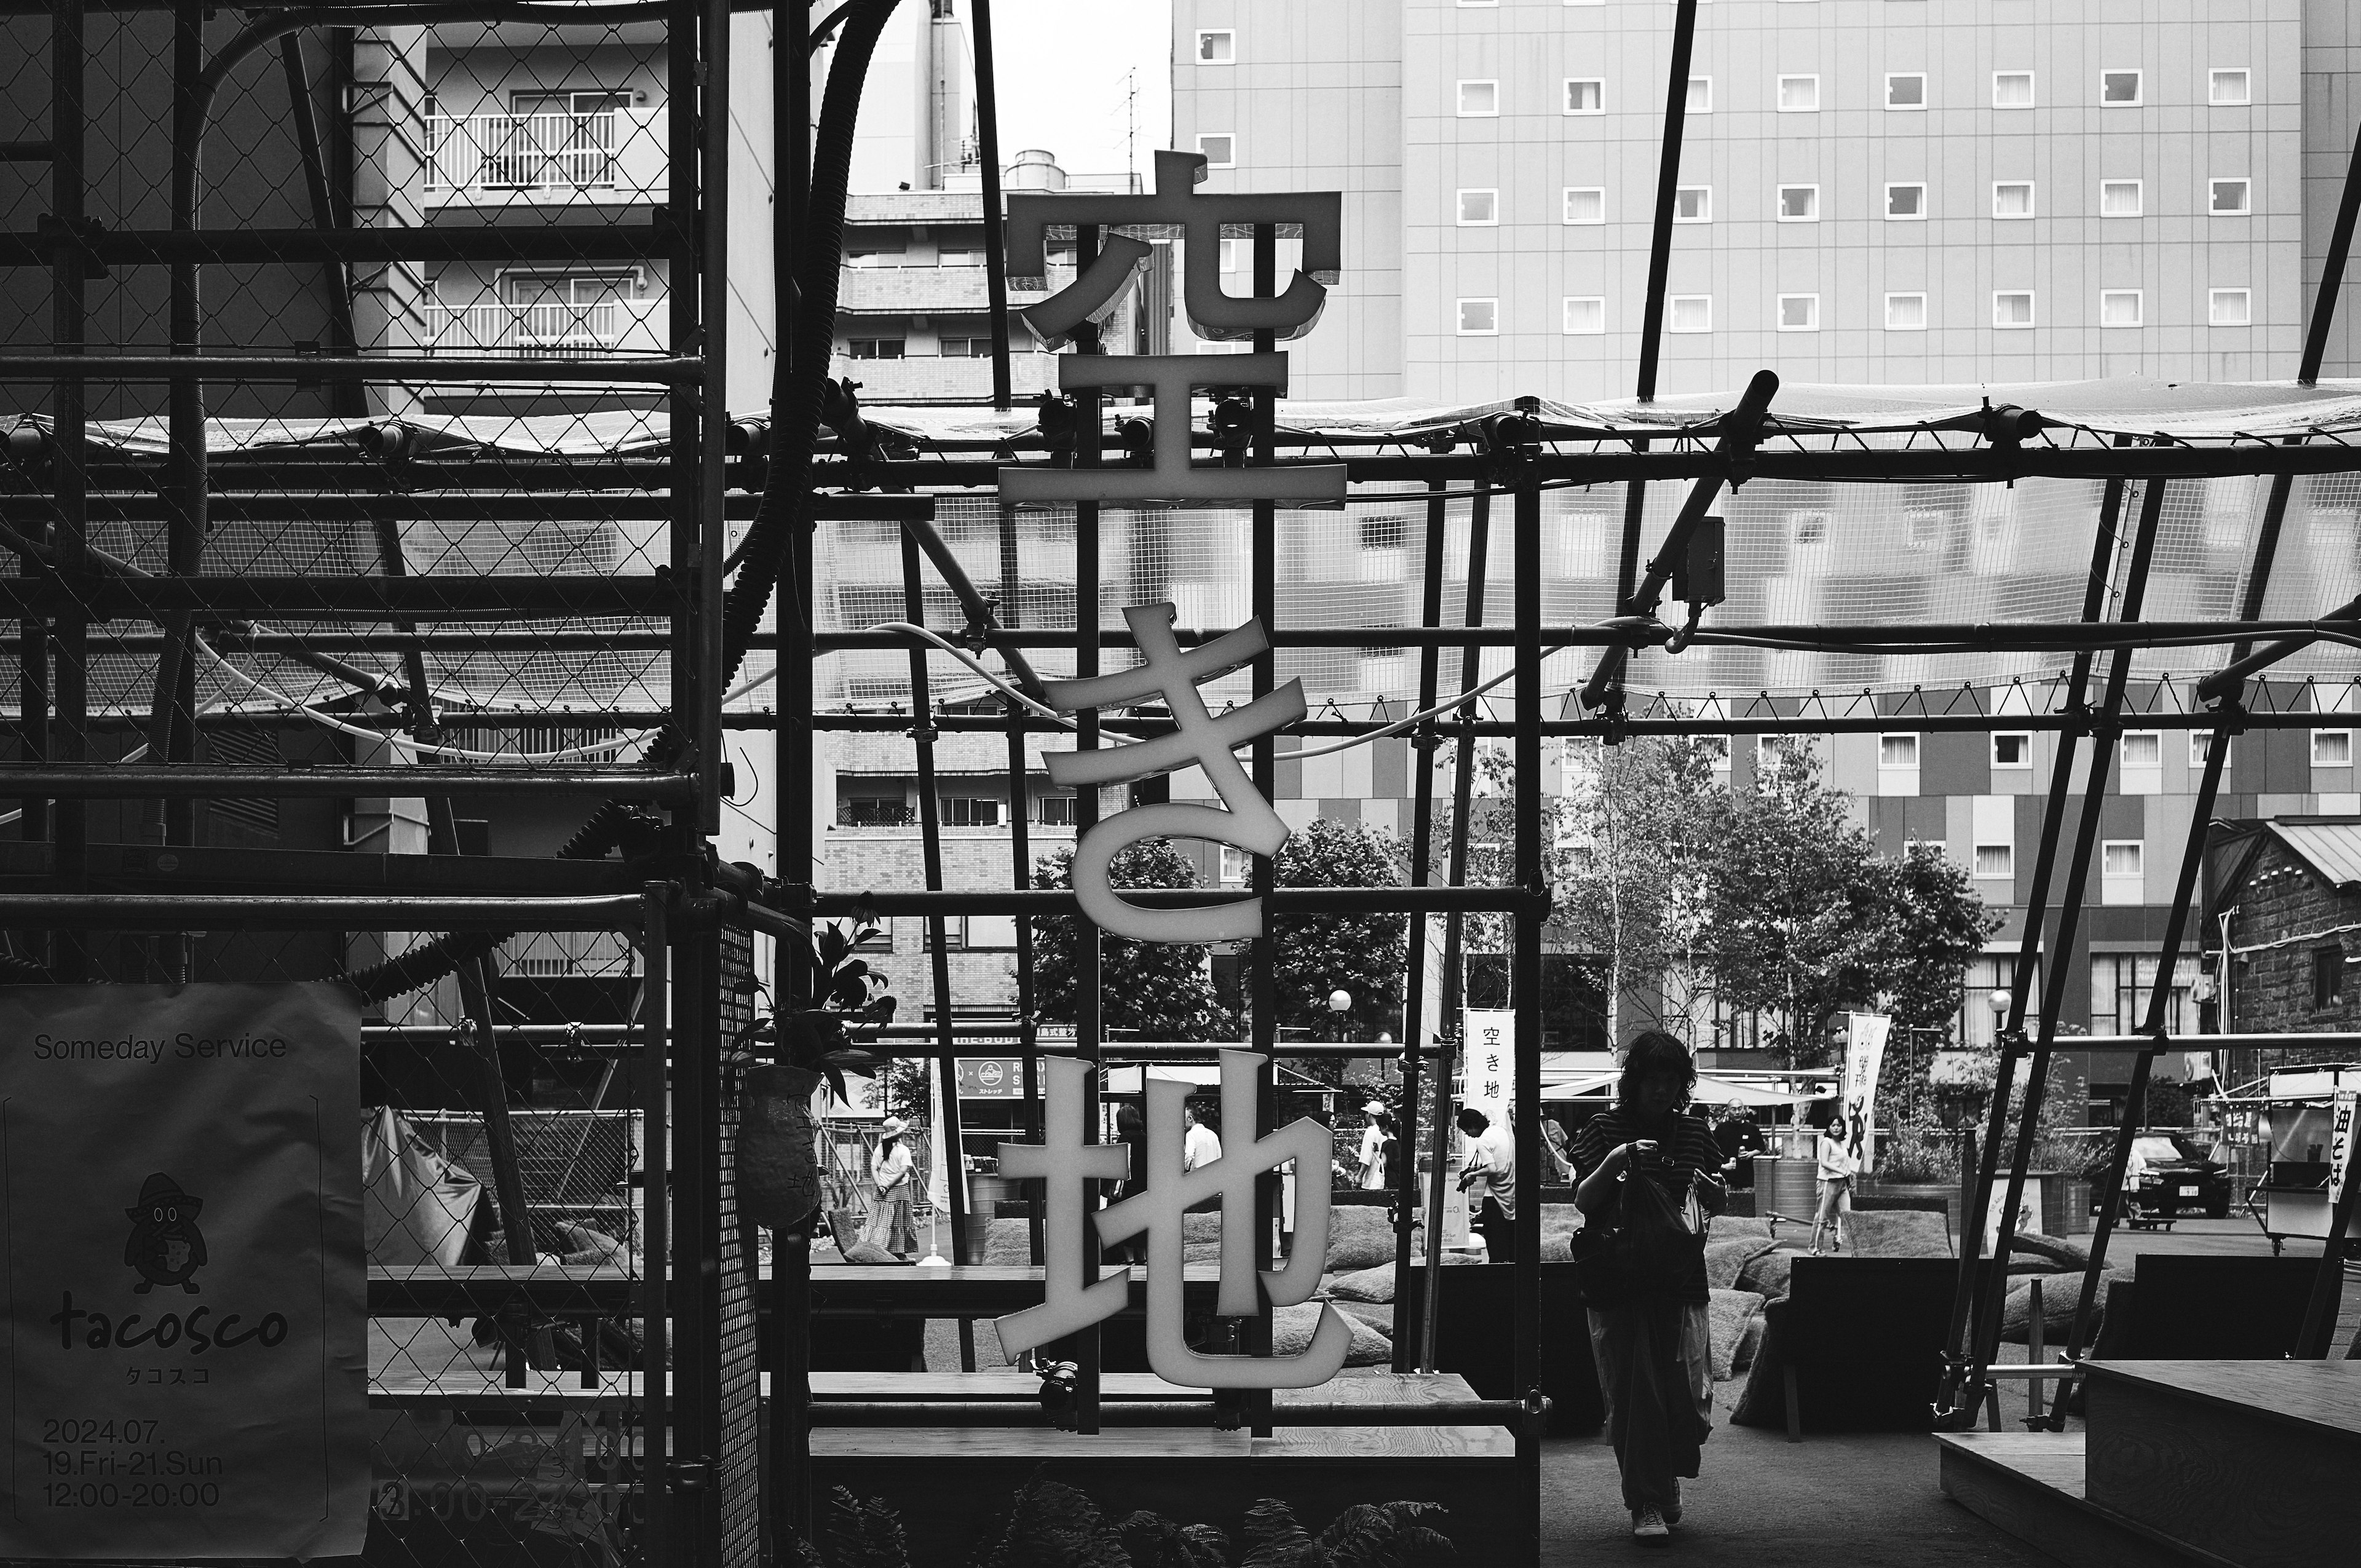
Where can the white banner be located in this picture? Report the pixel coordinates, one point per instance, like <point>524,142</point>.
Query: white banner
<point>1865,1036</point>
<point>2340,1143</point>
<point>1490,1043</point>
<point>186,1372</point>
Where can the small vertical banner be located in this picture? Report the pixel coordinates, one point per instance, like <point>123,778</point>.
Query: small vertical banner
<point>1490,1045</point>
<point>186,1360</point>
<point>1865,1036</point>
<point>2340,1144</point>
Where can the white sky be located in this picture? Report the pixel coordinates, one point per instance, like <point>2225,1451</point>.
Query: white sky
<point>1060,65</point>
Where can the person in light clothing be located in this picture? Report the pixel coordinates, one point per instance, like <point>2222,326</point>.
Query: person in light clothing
<point>1374,1139</point>
<point>1489,1179</point>
<point>1837,1168</point>
<point>891,1167</point>
<point>1200,1145</point>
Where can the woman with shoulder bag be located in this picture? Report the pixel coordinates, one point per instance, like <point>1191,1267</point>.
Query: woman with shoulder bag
<point>1644,1182</point>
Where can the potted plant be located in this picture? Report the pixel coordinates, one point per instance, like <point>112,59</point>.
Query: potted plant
<point>778,1140</point>
<point>1917,1157</point>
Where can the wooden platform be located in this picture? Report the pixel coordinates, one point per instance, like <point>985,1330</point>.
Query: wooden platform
<point>948,1482</point>
<point>2243,1464</point>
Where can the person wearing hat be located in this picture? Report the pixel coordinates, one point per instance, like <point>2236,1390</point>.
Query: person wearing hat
<point>1377,1142</point>
<point>891,1167</point>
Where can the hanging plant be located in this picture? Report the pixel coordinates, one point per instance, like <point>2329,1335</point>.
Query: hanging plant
<point>778,1141</point>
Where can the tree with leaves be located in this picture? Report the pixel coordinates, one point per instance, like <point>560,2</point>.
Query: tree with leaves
<point>1156,991</point>
<point>1803,919</point>
<point>1360,954</point>
<point>1634,834</point>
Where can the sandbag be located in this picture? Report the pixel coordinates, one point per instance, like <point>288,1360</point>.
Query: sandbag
<point>1292,1328</point>
<point>1725,1259</point>
<point>416,1206</point>
<point>1729,1316</point>
<point>1897,1233</point>
<point>1378,1284</point>
<point>1766,1276</point>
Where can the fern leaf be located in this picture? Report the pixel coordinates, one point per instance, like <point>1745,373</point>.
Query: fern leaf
<point>864,1535</point>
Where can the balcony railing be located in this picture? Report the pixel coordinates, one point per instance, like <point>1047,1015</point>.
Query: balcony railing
<point>606,155</point>
<point>537,330</point>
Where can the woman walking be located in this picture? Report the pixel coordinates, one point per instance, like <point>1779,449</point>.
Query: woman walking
<point>891,1167</point>
<point>1649,1342</point>
<point>1837,1168</point>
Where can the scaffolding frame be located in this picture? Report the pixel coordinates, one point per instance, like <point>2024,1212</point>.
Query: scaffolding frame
<point>62,588</point>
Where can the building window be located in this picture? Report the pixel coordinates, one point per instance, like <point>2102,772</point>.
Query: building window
<point>1799,95</point>
<point>1692,204</point>
<point>2119,199</point>
<point>1479,209</point>
<point>1775,752</point>
<point>1807,529</point>
<point>2122,988</point>
<point>1584,316</point>
<point>2011,748</point>
<point>2119,307</point>
<point>878,347</point>
<point>2227,89</point>
<point>954,934</point>
<point>1691,312</point>
<point>1584,96</point>
<point>1237,866</point>
<point>1217,45</point>
<point>2013,308</point>
<point>1897,751</point>
<point>2201,748</point>
<point>2332,748</point>
<point>2231,198</point>
<point>2012,90</point>
<point>2328,977</point>
<point>1906,203</point>
<point>2119,89</point>
<point>990,931</point>
<point>1057,811</point>
<point>1906,313</point>
<point>970,811</point>
<point>1479,318</point>
<point>2143,749</point>
<point>2229,307</point>
<point>2013,199</point>
<point>1717,750</point>
<point>1905,90</point>
<point>1799,313</point>
<point>2121,857</point>
<point>1799,204</point>
<point>1479,100</point>
<point>873,811</point>
<point>1585,204</point>
<point>1700,99</point>
<point>1220,148</point>
<point>1996,860</point>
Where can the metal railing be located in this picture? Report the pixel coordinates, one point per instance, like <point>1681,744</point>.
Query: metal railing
<point>551,328</point>
<point>540,154</point>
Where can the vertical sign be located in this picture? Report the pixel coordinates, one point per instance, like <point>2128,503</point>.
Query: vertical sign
<point>186,1365</point>
<point>2339,1145</point>
<point>1864,1055</point>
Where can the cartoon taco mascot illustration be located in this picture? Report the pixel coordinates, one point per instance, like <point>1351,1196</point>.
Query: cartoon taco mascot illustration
<point>166,1246</point>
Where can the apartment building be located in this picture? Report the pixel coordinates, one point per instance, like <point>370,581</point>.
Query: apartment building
<point>1883,191</point>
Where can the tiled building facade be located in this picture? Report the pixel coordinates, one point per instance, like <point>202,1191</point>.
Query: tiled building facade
<point>1870,191</point>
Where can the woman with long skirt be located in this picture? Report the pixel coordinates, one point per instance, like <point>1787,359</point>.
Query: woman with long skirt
<point>1651,1348</point>
<point>892,1169</point>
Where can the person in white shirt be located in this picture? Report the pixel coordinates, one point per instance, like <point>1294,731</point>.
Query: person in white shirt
<point>1837,1168</point>
<point>1489,1179</point>
<point>1374,1139</point>
<point>1200,1145</point>
<point>892,1169</point>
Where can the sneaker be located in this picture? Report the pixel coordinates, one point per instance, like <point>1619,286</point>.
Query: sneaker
<point>1648,1528</point>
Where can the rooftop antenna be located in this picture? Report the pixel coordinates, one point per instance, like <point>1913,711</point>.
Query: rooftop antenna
<point>1131,128</point>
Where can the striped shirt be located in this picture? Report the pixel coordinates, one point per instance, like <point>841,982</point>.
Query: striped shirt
<point>1685,1149</point>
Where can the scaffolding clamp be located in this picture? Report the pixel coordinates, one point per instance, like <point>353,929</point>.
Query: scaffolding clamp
<point>81,235</point>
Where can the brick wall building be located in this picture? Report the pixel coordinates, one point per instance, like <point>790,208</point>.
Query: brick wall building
<point>2290,889</point>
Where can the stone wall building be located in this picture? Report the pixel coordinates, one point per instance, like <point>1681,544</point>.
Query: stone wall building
<point>2286,901</point>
